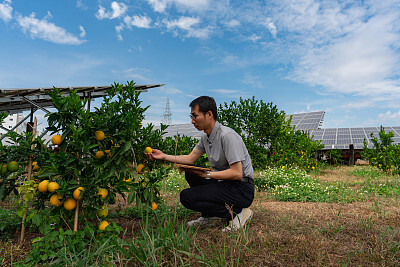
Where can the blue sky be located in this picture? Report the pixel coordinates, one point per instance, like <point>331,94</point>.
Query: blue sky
<point>341,57</point>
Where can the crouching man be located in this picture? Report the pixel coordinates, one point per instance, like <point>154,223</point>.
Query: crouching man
<point>230,185</point>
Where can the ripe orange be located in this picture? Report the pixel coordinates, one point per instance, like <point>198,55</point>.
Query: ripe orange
<point>56,139</point>
<point>77,192</point>
<point>42,187</point>
<point>99,135</point>
<point>148,150</point>
<point>108,152</point>
<point>127,180</point>
<point>154,205</point>
<point>12,166</point>
<point>35,166</point>
<point>140,125</point>
<point>3,169</point>
<point>103,212</point>
<point>103,225</point>
<point>99,154</point>
<point>140,167</point>
<point>53,186</point>
<point>103,193</point>
<point>70,204</point>
<point>56,200</point>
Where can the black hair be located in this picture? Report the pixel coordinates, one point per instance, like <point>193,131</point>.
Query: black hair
<point>205,103</point>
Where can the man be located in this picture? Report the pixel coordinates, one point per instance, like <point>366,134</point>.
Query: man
<point>228,190</point>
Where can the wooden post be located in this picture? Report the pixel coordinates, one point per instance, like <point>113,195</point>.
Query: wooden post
<point>29,177</point>
<point>76,216</point>
<point>352,154</point>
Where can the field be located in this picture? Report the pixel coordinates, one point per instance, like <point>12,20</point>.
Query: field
<point>356,225</point>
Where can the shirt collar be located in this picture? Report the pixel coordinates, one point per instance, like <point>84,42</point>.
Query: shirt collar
<point>214,131</point>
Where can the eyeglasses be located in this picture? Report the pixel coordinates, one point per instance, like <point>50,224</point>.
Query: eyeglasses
<point>194,116</point>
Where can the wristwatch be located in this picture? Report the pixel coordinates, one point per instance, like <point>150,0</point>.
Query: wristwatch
<point>208,175</point>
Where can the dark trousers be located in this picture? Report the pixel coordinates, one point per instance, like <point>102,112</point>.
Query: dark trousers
<point>211,197</point>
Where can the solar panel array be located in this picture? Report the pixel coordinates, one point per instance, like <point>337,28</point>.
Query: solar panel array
<point>186,129</point>
<point>307,121</point>
<point>332,138</point>
<point>341,138</point>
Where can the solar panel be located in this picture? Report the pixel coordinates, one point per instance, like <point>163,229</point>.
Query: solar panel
<point>341,138</point>
<point>306,121</point>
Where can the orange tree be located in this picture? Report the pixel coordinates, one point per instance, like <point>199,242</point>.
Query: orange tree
<point>98,150</point>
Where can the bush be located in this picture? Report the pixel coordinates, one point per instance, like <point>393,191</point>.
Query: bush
<point>384,155</point>
<point>10,223</point>
<point>269,138</point>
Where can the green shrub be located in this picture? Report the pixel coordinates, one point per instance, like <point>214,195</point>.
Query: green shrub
<point>10,223</point>
<point>269,138</point>
<point>384,155</point>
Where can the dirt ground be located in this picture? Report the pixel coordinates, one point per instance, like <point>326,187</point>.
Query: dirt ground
<point>299,234</point>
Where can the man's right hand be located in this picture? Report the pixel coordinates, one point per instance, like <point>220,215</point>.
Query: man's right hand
<point>157,154</point>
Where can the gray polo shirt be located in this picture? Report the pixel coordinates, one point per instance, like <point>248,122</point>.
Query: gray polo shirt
<point>225,147</point>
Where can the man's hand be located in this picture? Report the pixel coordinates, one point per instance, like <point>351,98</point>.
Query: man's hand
<point>157,154</point>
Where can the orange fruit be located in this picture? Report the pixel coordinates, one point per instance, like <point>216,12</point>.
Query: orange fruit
<point>103,212</point>
<point>154,205</point>
<point>77,192</point>
<point>140,125</point>
<point>12,166</point>
<point>42,187</point>
<point>53,186</point>
<point>140,167</point>
<point>108,152</point>
<point>70,204</point>
<point>148,150</point>
<point>56,139</point>
<point>103,225</point>
<point>127,180</point>
<point>35,166</point>
<point>3,169</point>
<point>99,135</point>
<point>56,200</point>
<point>99,154</point>
<point>103,193</point>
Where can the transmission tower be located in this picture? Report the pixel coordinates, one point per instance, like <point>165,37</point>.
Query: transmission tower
<point>167,114</point>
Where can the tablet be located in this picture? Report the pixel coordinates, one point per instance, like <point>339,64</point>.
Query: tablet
<point>193,167</point>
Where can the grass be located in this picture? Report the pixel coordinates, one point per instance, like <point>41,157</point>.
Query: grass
<point>333,217</point>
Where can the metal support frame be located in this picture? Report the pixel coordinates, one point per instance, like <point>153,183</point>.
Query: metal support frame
<point>18,124</point>
<point>34,104</point>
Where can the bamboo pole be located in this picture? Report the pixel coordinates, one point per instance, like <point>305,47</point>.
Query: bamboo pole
<point>76,216</point>
<point>29,177</point>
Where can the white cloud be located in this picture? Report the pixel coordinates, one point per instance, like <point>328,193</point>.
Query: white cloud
<point>139,75</point>
<point>47,31</point>
<point>271,27</point>
<point>117,10</point>
<point>81,5</point>
<point>188,24</point>
<point>161,5</point>
<point>252,80</point>
<point>192,4</point>
<point>83,32</point>
<point>118,29</point>
<point>137,21</point>
<point>395,116</point>
<point>6,11</point>
<point>232,23</point>
<point>254,37</point>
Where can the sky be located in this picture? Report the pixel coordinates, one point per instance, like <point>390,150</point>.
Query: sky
<point>341,57</point>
